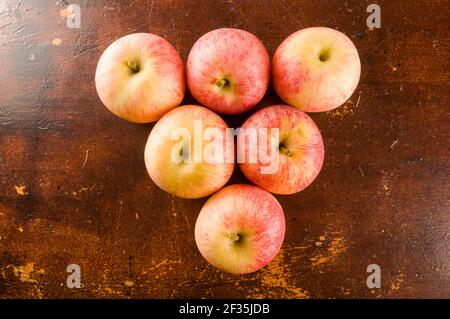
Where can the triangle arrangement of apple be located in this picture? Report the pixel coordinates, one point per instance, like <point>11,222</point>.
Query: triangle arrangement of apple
<point>191,152</point>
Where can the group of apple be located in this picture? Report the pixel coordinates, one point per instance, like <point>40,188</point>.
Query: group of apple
<point>141,78</point>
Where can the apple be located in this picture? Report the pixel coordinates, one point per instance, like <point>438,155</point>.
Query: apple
<point>316,69</point>
<point>190,152</point>
<point>228,70</point>
<point>140,77</point>
<point>297,149</point>
<point>240,229</point>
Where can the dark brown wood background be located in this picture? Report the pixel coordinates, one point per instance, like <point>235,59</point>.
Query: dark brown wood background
<point>74,189</point>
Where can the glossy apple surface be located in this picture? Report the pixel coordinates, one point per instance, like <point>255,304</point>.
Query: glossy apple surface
<point>189,178</point>
<point>316,69</point>
<point>228,70</point>
<point>299,150</point>
<point>240,229</point>
<point>140,77</point>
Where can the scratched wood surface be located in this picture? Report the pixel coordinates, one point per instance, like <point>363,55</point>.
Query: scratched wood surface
<point>74,189</point>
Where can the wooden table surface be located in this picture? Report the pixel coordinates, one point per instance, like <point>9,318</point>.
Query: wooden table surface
<point>74,188</point>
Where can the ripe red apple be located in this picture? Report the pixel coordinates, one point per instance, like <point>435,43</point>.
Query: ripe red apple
<point>190,152</point>
<point>140,77</point>
<point>296,154</point>
<point>240,229</point>
<point>228,70</point>
<point>316,69</point>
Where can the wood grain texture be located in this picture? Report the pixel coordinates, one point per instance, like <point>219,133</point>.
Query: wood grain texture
<point>74,189</point>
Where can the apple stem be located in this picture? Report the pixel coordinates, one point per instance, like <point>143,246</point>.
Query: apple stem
<point>234,237</point>
<point>324,55</point>
<point>285,150</point>
<point>133,65</point>
<point>222,83</point>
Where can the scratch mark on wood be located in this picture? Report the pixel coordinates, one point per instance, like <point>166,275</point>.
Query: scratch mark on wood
<point>165,262</point>
<point>384,183</point>
<point>95,47</point>
<point>361,171</point>
<point>86,158</point>
<point>151,11</point>
<point>5,25</point>
<point>19,29</point>
<point>394,144</point>
<point>25,36</point>
<point>202,272</point>
<point>359,98</point>
<point>396,283</point>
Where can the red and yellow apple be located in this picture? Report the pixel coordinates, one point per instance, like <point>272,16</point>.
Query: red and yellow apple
<point>190,152</point>
<point>228,70</point>
<point>240,229</point>
<point>140,77</point>
<point>297,149</point>
<point>316,69</point>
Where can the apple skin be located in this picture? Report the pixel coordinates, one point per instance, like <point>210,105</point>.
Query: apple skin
<point>140,77</point>
<point>240,229</point>
<point>303,80</point>
<point>300,152</point>
<point>188,180</point>
<point>228,70</point>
